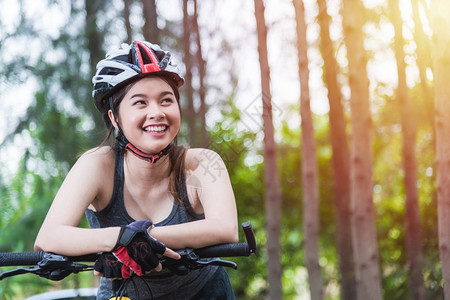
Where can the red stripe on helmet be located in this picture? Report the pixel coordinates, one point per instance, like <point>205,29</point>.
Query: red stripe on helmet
<point>150,67</point>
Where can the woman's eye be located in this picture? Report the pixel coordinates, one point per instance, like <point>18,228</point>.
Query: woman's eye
<point>139,102</point>
<point>167,100</point>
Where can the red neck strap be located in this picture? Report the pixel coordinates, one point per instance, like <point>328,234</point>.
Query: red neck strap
<point>151,158</point>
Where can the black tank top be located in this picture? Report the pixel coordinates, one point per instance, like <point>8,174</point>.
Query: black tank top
<point>165,286</point>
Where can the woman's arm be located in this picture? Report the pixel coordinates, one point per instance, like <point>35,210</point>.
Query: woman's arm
<point>84,184</point>
<point>209,189</point>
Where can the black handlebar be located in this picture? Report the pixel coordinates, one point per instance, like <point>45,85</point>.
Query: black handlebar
<point>20,259</point>
<point>33,258</point>
<point>56,267</point>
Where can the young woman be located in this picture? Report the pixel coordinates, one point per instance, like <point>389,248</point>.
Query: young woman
<point>144,195</point>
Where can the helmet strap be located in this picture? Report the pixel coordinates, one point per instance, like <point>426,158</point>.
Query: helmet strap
<point>111,104</point>
<point>151,158</point>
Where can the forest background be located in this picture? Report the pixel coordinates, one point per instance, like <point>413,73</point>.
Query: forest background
<point>333,132</point>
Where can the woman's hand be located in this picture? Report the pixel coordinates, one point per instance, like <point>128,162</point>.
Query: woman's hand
<point>109,266</point>
<point>136,251</point>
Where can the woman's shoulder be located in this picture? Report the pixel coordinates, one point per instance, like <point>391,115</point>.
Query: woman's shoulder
<point>94,171</point>
<point>101,152</point>
<point>201,156</point>
<point>98,157</point>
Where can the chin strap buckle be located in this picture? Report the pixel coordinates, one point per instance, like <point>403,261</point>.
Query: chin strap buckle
<point>151,158</point>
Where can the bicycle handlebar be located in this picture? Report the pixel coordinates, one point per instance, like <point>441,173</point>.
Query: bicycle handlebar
<point>222,250</point>
<point>34,258</point>
<point>56,267</point>
<point>21,259</point>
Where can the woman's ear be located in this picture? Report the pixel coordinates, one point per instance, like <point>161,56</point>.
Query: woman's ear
<point>113,120</point>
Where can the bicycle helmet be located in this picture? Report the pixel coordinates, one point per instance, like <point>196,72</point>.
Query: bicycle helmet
<point>122,65</point>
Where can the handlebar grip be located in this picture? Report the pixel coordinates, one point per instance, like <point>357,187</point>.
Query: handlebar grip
<point>224,250</point>
<point>249,236</point>
<point>33,258</point>
<point>21,259</point>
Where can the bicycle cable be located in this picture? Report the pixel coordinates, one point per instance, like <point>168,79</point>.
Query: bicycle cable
<point>123,288</point>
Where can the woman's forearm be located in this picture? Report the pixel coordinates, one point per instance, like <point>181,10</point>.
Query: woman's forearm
<point>73,241</point>
<point>196,234</point>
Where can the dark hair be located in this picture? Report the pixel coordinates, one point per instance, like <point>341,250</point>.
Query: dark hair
<point>176,153</point>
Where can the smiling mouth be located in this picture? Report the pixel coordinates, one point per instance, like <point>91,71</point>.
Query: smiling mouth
<point>158,128</point>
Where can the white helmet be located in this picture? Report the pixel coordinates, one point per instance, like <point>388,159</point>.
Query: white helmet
<point>121,65</point>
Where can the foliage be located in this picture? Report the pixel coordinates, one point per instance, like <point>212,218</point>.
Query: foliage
<point>234,145</point>
<point>60,123</point>
<point>57,126</point>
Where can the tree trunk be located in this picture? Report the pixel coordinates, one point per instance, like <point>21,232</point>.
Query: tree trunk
<point>126,18</point>
<point>361,186</point>
<point>201,64</point>
<point>93,36</point>
<point>413,234</point>
<point>423,62</point>
<point>94,40</point>
<point>340,159</point>
<point>273,192</point>
<point>309,163</point>
<point>441,60</point>
<point>189,63</point>
<point>151,31</point>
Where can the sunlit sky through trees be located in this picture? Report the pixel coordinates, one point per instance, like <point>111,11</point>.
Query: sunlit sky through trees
<point>235,18</point>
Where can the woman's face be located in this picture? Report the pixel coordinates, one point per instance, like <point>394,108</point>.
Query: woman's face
<point>149,115</point>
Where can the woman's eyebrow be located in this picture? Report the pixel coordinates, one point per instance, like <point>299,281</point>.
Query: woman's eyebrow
<point>165,93</point>
<point>162,94</point>
<point>137,96</point>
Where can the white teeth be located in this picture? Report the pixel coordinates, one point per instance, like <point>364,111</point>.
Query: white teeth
<point>155,128</point>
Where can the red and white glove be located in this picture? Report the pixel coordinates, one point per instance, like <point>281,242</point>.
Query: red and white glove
<point>136,251</point>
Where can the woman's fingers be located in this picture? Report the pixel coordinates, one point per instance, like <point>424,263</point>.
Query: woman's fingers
<point>171,254</point>
<point>158,268</point>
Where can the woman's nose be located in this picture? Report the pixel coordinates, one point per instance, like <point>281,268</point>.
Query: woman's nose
<point>155,112</point>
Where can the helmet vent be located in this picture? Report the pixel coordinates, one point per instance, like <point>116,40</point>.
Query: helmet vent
<point>145,57</point>
<point>124,58</point>
<point>110,71</point>
<point>102,86</point>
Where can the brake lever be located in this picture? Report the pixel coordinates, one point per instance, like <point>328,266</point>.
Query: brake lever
<point>52,266</point>
<point>17,271</point>
<point>52,273</point>
<point>217,262</point>
<point>190,261</point>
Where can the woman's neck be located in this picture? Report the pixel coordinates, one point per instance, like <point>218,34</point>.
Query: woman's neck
<point>139,170</point>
